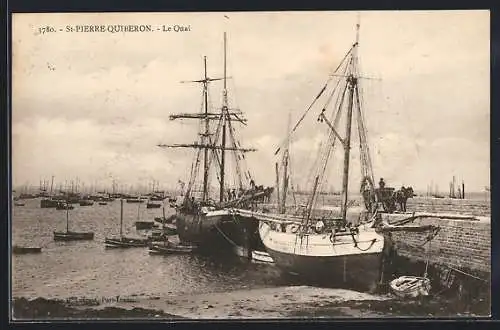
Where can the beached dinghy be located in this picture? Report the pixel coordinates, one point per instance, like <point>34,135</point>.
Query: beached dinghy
<point>410,286</point>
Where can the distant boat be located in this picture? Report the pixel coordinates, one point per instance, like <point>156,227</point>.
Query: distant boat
<point>134,200</point>
<point>122,241</point>
<point>86,203</point>
<point>48,203</point>
<point>19,203</point>
<point>151,205</point>
<point>64,206</point>
<point>71,235</point>
<point>103,203</point>
<point>25,250</point>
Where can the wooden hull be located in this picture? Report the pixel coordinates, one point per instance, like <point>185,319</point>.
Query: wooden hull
<point>170,248</point>
<point>197,228</point>
<point>125,242</point>
<point>64,206</point>
<point>144,225</point>
<point>341,263</point>
<point>153,206</point>
<point>73,236</point>
<point>410,286</point>
<point>86,203</point>
<point>48,203</point>
<point>135,201</point>
<point>220,230</point>
<point>25,250</point>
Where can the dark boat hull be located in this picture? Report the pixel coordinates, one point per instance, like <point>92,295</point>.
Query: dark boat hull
<point>144,225</point>
<point>25,250</point>
<point>73,236</point>
<point>125,242</point>
<point>219,230</point>
<point>171,249</point>
<point>153,206</point>
<point>48,203</point>
<point>360,271</point>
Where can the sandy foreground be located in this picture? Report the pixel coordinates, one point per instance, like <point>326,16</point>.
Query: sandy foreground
<point>267,303</point>
<point>255,303</point>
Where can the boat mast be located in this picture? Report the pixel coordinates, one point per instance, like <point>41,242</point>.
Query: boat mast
<point>206,134</point>
<point>352,82</point>
<point>285,167</point>
<point>224,117</point>
<point>67,216</point>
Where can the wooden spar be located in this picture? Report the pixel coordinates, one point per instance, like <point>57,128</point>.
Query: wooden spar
<point>67,216</point>
<point>205,137</point>
<point>208,116</point>
<point>278,200</point>
<point>285,168</point>
<point>205,146</point>
<point>352,81</point>
<point>347,148</point>
<point>224,117</point>
<point>311,202</point>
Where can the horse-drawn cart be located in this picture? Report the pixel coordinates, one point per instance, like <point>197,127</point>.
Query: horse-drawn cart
<point>385,196</point>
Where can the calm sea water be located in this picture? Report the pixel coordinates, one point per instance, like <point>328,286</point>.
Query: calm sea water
<point>86,268</point>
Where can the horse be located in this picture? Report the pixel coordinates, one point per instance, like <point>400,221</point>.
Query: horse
<point>402,195</point>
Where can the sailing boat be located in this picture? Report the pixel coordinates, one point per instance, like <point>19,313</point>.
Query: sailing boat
<point>204,221</point>
<point>316,243</point>
<point>122,241</point>
<point>71,235</point>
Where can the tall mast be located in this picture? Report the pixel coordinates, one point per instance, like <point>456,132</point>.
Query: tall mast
<point>352,84</point>
<point>67,216</point>
<point>205,137</point>
<point>285,166</point>
<point>224,117</point>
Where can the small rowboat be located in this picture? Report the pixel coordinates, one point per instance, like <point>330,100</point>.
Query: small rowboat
<point>410,286</point>
<point>103,203</point>
<point>73,236</point>
<point>140,225</point>
<point>261,256</point>
<point>25,249</point>
<point>170,248</point>
<point>125,242</point>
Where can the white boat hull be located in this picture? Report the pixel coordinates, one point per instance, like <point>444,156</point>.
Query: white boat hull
<point>343,260</point>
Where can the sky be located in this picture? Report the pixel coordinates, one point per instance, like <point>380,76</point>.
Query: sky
<point>95,105</point>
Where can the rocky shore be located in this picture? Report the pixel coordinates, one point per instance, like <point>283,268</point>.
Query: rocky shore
<point>268,303</point>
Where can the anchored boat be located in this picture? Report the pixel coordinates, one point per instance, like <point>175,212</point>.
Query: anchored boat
<point>205,219</point>
<point>25,249</point>
<point>72,235</point>
<point>122,241</point>
<point>333,245</point>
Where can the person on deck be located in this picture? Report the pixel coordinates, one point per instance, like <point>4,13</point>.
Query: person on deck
<point>381,183</point>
